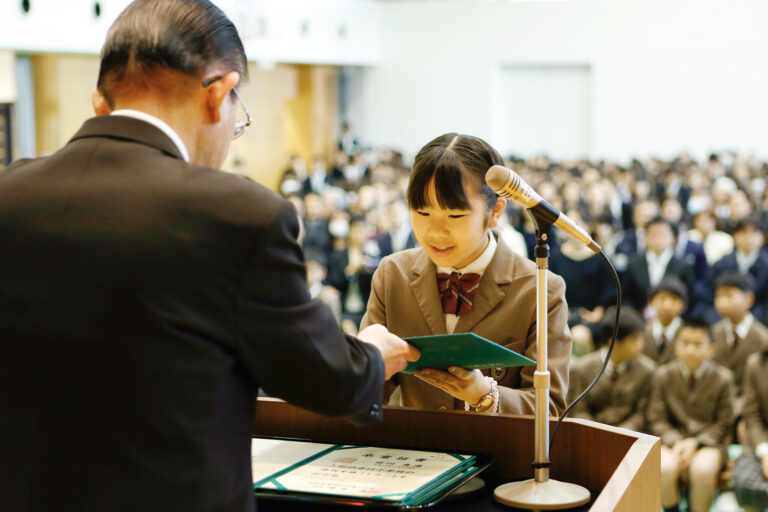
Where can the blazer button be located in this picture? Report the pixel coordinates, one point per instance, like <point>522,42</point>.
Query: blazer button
<point>442,408</point>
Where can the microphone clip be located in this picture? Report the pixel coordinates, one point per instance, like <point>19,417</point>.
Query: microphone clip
<point>542,221</point>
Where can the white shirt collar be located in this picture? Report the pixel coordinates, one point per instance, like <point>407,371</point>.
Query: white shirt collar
<point>669,331</point>
<point>657,264</point>
<point>160,124</point>
<point>742,328</point>
<point>699,371</point>
<point>745,261</point>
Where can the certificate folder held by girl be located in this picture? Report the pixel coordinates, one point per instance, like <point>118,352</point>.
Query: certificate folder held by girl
<point>465,349</point>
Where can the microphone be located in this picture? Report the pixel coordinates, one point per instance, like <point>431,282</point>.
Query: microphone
<point>508,184</point>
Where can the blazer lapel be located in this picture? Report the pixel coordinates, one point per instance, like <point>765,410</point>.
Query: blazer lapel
<point>499,271</point>
<point>424,289</point>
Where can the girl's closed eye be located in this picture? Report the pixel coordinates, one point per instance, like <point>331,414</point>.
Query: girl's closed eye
<point>457,215</point>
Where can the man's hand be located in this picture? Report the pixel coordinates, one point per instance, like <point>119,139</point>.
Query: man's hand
<point>685,449</point>
<point>467,385</point>
<point>394,350</point>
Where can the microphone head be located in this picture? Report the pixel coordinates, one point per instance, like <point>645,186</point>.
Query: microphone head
<point>508,184</point>
<point>496,177</point>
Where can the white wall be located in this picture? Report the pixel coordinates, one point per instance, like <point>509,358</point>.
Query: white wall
<point>340,32</point>
<point>667,75</point>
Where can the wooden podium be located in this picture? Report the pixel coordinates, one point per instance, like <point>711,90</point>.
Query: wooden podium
<point>620,468</point>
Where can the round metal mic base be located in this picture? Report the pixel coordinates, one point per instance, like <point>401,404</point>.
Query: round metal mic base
<point>548,495</point>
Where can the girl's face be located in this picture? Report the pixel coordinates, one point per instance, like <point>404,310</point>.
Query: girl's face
<point>454,238</point>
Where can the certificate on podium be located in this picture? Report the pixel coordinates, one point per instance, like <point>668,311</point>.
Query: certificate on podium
<point>405,479</point>
<point>466,349</point>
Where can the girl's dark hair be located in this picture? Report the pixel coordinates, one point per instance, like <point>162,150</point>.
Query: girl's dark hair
<point>451,159</point>
<point>179,35</point>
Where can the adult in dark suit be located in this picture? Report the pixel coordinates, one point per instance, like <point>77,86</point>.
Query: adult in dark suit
<point>655,263</point>
<point>145,298</point>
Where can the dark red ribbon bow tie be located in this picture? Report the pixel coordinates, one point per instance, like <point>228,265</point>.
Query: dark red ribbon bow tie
<point>457,291</point>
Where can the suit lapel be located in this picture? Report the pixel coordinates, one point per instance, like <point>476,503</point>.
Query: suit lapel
<point>644,274</point>
<point>499,271</point>
<point>424,289</point>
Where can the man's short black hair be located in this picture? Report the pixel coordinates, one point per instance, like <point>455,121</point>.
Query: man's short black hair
<point>630,322</point>
<point>670,284</point>
<point>743,282</point>
<point>186,36</point>
<point>661,220</point>
<point>747,222</point>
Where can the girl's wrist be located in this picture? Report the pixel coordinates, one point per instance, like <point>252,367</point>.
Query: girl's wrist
<point>488,402</point>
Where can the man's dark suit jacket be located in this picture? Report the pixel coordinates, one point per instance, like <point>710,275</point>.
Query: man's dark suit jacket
<point>636,281</point>
<point>143,302</point>
<point>758,271</point>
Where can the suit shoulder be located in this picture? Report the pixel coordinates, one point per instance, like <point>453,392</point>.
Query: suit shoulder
<point>760,329</point>
<point>723,374</point>
<point>238,194</point>
<point>646,362</point>
<point>587,362</point>
<point>18,167</point>
<point>665,370</point>
<point>522,265</point>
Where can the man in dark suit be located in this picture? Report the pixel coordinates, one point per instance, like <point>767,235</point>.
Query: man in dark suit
<point>145,296</point>
<point>646,270</point>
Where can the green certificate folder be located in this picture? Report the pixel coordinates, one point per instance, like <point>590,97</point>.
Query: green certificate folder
<point>466,349</point>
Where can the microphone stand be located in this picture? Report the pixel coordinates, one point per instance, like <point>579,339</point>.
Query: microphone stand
<point>540,492</point>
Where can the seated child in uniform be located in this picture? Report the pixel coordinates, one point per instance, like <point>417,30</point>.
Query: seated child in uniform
<point>668,300</point>
<point>462,279</point>
<point>691,410</point>
<point>738,334</point>
<point>620,396</point>
<point>750,474</point>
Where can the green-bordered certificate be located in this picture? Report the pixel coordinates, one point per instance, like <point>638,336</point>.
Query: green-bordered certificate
<point>467,350</point>
<point>382,476</point>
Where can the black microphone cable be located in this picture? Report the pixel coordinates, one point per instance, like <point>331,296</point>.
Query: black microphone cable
<point>616,281</point>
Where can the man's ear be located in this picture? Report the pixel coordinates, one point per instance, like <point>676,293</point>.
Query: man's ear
<point>100,105</point>
<point>498,209</point>
<point>216,93</point>
<point>749,299</point>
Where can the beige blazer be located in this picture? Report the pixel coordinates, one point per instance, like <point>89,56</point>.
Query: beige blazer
<point>404,298</point>
<point>706,412</point>
<point>736,360</point>
<point>651,349</point>
<point>756,399</point>
<point>620,403</point>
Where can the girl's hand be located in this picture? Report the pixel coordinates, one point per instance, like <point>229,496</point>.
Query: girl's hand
<point>467,385</point>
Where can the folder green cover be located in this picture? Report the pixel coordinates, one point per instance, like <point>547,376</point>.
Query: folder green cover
<point>379,477</point>
<point>465,349</point>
